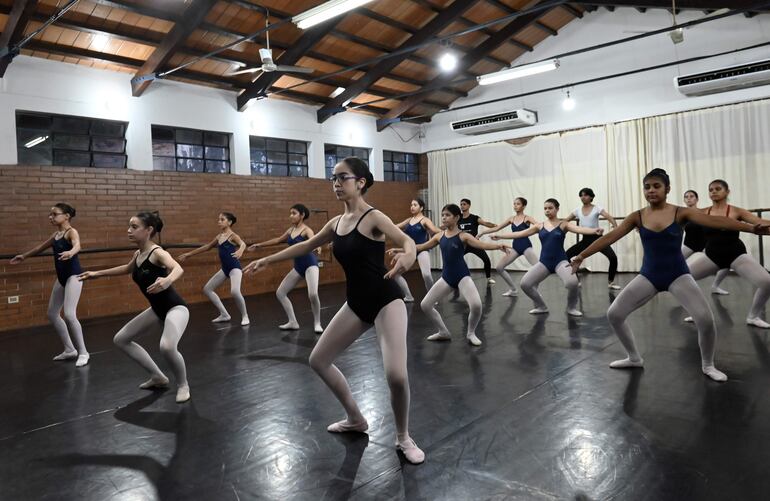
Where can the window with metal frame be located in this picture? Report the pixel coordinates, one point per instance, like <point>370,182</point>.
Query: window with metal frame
<point>70,141</point>
<point>399,166</point>
<point>278,157</point>
<point>333,153</point>
<point>190,150</point>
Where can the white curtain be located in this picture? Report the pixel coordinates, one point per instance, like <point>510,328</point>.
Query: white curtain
<point>728,142</point>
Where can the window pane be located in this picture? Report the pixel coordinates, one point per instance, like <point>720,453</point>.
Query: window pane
<point>297,171</point>
<point>399,167</point>
<point>411,157</point>
<point>163,149</point>
<point>216,139</point>
<point>258,156</point>
<point>412,168</point>
<point>398,157</point>
<point>399,176</point>
<point>109,144</point>
<point>344,151</point>
<point>67,142</point>
<point>278,170</point>
<point>72,125</point>
<point>387,166</point>
<point>257,142</point>
<point>105,128</point>
<point>162,134</point>
<point>32,121</point>
<point>37,155</point>
<point>216,153</point>
<point>331,161</point>
<point>298,159</point>
<point>387,155</point>
<point>189,136</point>
<point>189,165</point>
<point>71,158</point>
<point>297,147</point>
<point>275,145</point>
<point>217,166</point>
<point>361,153</point>
<point>189,151</point>
<point>24,136</point>
<point>164,163</point>
<point>258,168</point>
<point>329,172</point>
<point>412,177</point>
<point>330,149</point>
<point>388,176</point>
<point>113,161</point>
<point>276,157</point>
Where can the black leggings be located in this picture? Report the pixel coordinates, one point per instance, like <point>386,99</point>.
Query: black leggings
<point>481,254</point>
<point>587,240</point>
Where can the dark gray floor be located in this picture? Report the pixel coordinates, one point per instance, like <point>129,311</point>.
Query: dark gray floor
<point>533,414</point>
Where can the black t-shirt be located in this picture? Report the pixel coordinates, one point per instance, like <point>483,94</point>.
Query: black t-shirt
<point>469,224</point>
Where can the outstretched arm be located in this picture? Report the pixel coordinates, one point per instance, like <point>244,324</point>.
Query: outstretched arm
<point>272,241</point>
<point>725,223</point>
<point>582,230</point>
<point>434,240</point>
<point>203,248</point>
<point>428,225</point>
<point>469,239</point>
<point>482,222</point>
<point>34,251</point>
<point>123,269</point>
<point>628,224</point>
<point>496,227</point>
<point>517,234</point>
<point>324,236</point>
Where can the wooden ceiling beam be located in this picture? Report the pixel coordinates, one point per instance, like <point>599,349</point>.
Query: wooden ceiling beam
<point>174,40</point>
<point>13,33</point>
<point>510,10</point>
<point>515,26</point>
<point>385,66</point>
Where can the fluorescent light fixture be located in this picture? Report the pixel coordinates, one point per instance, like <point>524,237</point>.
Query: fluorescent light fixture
<point>448,62</point>
<point>35,141</point>
<point>518,72</point>
<point>325,11</point>
<point>568,104</point>
<point>99,42</point>
<point>337,92</point>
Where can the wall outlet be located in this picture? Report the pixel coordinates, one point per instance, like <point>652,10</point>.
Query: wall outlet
<point>13,299</point>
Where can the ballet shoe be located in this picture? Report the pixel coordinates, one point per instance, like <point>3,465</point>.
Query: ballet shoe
<point>66,355</point>
<point>439,336</point>
<point>511,293</point>
<point>345,427</point>
<point>82,360</point>
<point>289,326</point>
<point>182,394</point>
<point>411,452</point>
<point>245,321</point>
<point>574,312</point>
<point>613,286</point>
<point>538,311</point>
<point>757,322</point>
<point>155,383</point>
<point>719,291</point>
<point>318,329</point>
<point>490,281</point>
<point>409,299</point>
<point>472,339</point>
<point>221,318</point>
<point>715,374</point>
<point>689,320</point>
<point>627,363</point>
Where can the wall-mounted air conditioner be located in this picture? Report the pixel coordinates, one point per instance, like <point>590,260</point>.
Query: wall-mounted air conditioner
<point>724,79</point>
<point>497,122</point>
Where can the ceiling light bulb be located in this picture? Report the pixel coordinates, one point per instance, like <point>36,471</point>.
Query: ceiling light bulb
<point>568,104</point>
<point>448,62</point>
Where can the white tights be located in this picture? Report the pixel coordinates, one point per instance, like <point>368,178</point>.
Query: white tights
<point>539,272</point>
<point>529,254</point>
<point>423,260</point>
<point>289,282</point>
<point>66,298</point>
<point>235,291</point>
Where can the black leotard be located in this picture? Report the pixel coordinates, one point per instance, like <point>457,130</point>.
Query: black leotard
<point>723,246</point>
<point>363,259</point>
<point>145,275</point>
<point>694,236</point>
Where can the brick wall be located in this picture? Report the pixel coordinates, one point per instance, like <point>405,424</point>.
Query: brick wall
<point>188,203</point>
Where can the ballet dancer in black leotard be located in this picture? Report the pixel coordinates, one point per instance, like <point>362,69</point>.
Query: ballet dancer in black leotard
<point>420,229</point>
<point>305,267</point>
<point>358,238</point>
<point>230,247</point>
<point>470,223</point>
<point>663,269</point>
<point>154,271</point>
<point>725,250</point>
<point>66,288</point>
<point>521,246</point>
<point>695,241</point>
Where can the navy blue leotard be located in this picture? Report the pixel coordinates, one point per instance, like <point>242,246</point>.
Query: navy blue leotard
<point>452,253</point>
<point>520,244</point>
<point>65,269</point>
<point>663,261</point>
<point>552,247</point>
<point>417,232</point>
<point>302,263</point>
<point>229,262</point>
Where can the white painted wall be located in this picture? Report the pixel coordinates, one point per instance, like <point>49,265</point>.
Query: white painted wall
<point>646,94</point>
<point>34,84</point>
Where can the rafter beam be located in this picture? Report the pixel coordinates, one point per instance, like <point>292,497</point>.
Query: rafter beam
<point>510,10</point>
<point>174,40</point>
<point>382,68</point>
<point>515,26</point>
<point>572,10</point>
<point>13,32</point>
<point>289,57</point>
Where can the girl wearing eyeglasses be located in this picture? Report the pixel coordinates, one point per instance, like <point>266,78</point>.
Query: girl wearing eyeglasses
<point>65,295</point>
<point>373,297</point>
